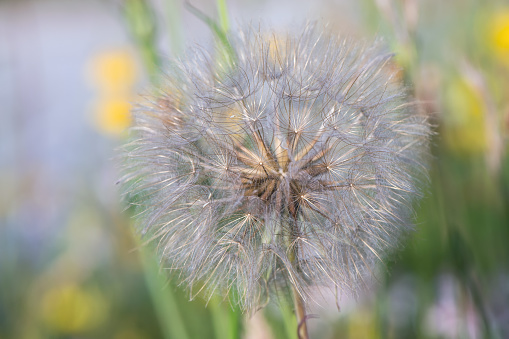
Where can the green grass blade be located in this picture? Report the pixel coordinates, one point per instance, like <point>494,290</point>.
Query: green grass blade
<point>226,50</point>
<point>222,10</point>
<point>141,21</point>
<point>227,321</point>
<point>163,299</point>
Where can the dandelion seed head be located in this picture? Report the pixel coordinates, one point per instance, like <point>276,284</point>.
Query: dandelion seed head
<point>295,166</point>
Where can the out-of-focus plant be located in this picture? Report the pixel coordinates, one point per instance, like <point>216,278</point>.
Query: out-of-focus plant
<point>70,309</point>
<point>458,67</point>
<point>142,22</point>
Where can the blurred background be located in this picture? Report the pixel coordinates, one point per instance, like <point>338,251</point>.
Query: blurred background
<point>70,265</point>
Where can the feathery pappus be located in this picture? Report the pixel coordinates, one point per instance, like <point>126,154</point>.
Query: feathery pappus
<point>294,165</point>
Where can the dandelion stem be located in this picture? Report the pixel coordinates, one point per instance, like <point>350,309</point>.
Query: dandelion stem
<point>298,301</point>
<point>300,313</point>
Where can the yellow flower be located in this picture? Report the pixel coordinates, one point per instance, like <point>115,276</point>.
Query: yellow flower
<point>113,71</point>
<point>112,115</point>
<point>71,309</point>
<point>500,35</point>
<point>464,122</point>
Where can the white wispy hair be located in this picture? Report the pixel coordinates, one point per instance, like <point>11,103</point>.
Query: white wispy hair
<point>295,165</point>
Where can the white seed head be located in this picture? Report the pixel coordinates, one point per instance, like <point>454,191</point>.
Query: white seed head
<point>294,167</point>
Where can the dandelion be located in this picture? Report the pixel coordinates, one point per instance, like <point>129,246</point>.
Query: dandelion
<point>293,166</point>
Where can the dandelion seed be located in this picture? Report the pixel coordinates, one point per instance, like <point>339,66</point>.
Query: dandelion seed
<point>309,183</point>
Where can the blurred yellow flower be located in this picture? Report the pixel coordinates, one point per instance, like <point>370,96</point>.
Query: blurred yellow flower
<point>464,122</point>
<point>113,115</point>
<point>500,34</point>
<point>71,309</point>
<point>113,74</point>
<point>362,325</point>
<point>113,71</point>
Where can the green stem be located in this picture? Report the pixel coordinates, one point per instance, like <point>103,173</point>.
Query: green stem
<point>222,11</point>
<point>227,54</point>
<point>163,299</point>
<point>226,321</point>
<point>140,18</point>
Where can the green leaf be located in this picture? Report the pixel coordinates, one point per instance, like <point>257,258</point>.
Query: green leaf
<point>163,299</point>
